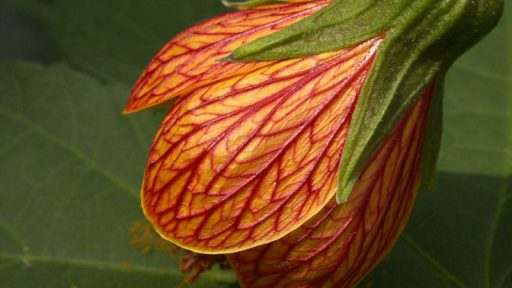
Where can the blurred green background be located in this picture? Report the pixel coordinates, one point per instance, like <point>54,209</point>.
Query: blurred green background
<point>71,164</point>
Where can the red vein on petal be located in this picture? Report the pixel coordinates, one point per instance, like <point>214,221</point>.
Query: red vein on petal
<point>259,104</point>
<point>187,221</point>
<point>169,73</point>
<point>340,245</point>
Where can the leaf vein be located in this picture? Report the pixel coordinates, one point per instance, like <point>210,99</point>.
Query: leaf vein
<point>71,149</point>
<point>121,267</point>
<point>443,271</point>
<point>500,209</point>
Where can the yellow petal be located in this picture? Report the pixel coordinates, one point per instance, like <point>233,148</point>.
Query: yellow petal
<point>194,58</point>
<point>247,160</point>
<point>342,243</point>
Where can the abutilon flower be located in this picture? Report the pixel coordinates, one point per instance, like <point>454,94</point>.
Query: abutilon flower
<point>301,131</point>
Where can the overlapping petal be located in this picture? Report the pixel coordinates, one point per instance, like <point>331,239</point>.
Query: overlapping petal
<point>342,243</point>
<point>193,58</point>
<point>245,161</point>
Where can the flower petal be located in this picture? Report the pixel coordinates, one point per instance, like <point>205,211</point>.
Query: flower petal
<point>247,160</point>
<point>193,58</point>
<point>342,243</point>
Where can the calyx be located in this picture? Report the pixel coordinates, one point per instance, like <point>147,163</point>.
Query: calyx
<point>422,39</point>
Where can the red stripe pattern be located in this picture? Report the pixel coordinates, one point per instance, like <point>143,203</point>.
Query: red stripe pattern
<point>247,160</point>
<point>193,58</point>
<point>342,243</point>
<point>246,163</point>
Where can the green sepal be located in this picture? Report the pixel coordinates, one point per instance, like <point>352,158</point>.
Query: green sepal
<point>342,23</point>
<point>248,4</point>
<point>401,73</point>
<point>422,38</point>
<point>421,46</point>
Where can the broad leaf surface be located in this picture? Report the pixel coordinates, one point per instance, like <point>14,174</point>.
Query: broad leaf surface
<point>115,39</point>
<point>57,203</point>
<point>71,170</point>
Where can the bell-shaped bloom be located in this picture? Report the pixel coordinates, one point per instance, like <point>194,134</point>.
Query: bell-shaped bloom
<point>342,243</point>
<point>247,162</point>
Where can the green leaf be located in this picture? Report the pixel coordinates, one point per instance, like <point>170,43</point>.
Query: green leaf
<point>71,168</point>
<point>459,235</point>
<point>114,39</point>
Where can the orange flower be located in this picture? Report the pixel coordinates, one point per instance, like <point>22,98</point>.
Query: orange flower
<point>247,161</point>
<point>193,58</point>
<point>342,243</point>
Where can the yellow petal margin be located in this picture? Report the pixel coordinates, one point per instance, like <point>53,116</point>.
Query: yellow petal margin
<point>194,57</point>
<point>245,161</point>
<point>342,243</point>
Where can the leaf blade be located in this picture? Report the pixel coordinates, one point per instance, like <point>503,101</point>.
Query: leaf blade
<point>66,208</point>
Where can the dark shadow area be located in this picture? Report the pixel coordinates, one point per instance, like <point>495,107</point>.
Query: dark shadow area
<point>23,38</point>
